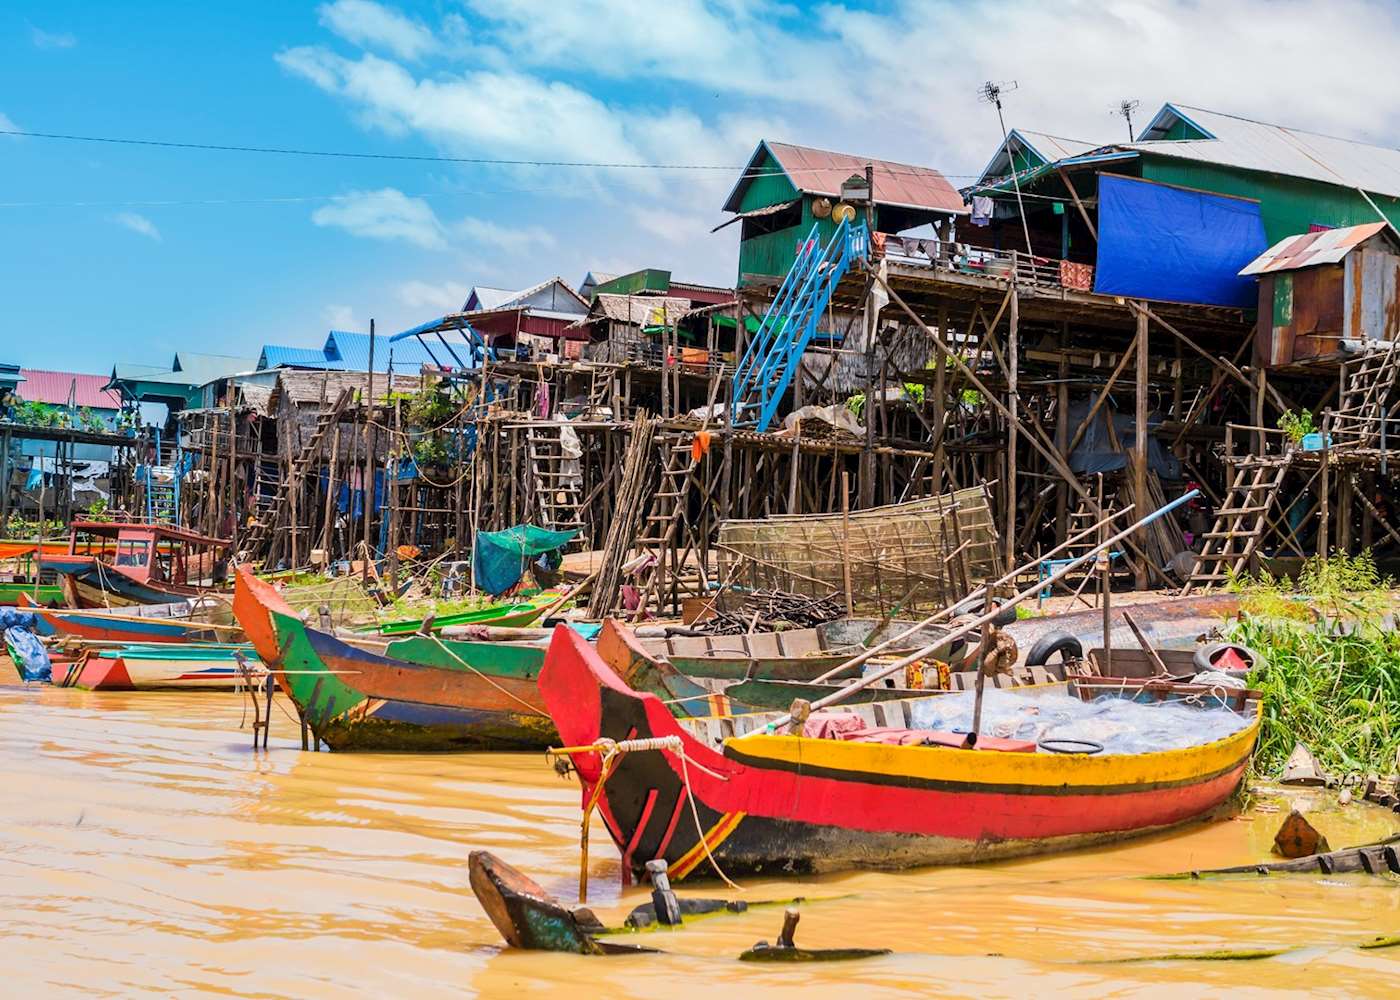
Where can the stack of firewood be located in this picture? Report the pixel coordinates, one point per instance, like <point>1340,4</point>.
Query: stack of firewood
<point>770,610</point>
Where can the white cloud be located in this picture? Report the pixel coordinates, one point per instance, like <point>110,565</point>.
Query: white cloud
<point>339,317</point>
<point>386,214</point>
<point>51,39</point>
<point>481,234</point>
<point>375,26</point>
<point>445,297</point>
<point>137,224</point>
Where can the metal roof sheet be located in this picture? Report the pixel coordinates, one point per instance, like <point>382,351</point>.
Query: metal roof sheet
<point>1252,145</point>
<point>352,351</point>
<point>821,172</point>
<point>1327,246</point>
<point>63,388</point>
<point>279,356</point>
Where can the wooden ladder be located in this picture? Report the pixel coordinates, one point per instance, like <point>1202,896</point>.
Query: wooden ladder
<point>1365,394</point>
<point>273,513</point>
<point>1239,523</point>
<point>670,504</point>
<point>558,495</point>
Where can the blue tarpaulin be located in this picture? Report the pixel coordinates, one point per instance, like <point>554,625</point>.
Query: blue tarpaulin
<point>28,654</point>
<point>1175,245</point>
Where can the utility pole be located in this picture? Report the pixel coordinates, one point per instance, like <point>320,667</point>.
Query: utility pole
<point>991,93</point>
<point>1125,109</point>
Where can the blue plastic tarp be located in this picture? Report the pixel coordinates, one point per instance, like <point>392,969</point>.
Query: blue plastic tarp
<point>29,654</point>
<point>1175,245</point>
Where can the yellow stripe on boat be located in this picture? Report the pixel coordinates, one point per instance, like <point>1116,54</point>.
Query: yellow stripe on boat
<point>996,769</point>
<point>715,836</point>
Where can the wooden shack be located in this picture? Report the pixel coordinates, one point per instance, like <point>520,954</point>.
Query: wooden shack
<point>1321,288</point>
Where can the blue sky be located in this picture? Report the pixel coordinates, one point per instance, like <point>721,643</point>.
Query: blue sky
<point>126,253</point>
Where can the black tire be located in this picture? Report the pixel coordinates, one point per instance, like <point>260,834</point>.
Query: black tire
<point>1206,655</point>
<point>1069,648</point>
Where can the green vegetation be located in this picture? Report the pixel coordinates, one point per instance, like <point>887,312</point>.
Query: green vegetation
<point>1297,425</point>
<point>1332,674</point>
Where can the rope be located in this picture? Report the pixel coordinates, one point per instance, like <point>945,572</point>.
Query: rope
<point>509,694</point>
<point>612,750</point>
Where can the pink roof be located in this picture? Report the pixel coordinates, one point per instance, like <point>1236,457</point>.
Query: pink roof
<point>41,386</point>
<point>1327,246</point>
<point>818,171</point>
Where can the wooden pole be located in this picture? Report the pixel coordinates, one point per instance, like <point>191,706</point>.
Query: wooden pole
<point>846,540</point>
<point>368,481</point>
<point>1140,446</point>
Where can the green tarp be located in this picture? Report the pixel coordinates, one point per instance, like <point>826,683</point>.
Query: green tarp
<point>499,559</point>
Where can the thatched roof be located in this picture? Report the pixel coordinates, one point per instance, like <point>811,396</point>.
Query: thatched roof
<point>307,388</point>
<point>638,310</point>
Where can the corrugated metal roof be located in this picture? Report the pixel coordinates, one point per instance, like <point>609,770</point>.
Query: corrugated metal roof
<point>191,368</point>
<point>1309,249</point>
<point>279,356</point>
<point>63,388</point>
<point>1047,148</point>
<point>352,351</point>
<point>819,171</point>
<point>486,297</point>
<point>1252,145</point>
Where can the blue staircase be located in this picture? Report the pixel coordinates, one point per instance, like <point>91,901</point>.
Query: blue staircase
<point>772,357</point>
<point>163,484</point>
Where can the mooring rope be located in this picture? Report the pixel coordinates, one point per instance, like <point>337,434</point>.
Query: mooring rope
<point>612,751</point>
<point>488,680</point>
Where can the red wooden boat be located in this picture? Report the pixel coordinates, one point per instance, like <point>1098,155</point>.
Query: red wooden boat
<point>116,564</point>
<point>776,804</point>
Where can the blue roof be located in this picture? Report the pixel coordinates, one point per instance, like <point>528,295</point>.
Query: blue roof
<point>279,356</point>
<point>351,350</point>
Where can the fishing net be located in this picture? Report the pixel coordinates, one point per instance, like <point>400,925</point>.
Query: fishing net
<point>1122,726</point>
<point>500,556</point>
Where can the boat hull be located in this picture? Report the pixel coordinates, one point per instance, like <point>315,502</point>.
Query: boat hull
<point>91,583</point>
<point>414,696</point>
<point>159,669</point>
<point>102,627</point>
<point>770,804</point>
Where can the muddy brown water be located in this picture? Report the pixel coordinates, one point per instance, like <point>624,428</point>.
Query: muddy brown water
<point>146,849</point>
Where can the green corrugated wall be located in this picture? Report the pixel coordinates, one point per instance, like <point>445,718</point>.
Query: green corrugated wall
<point>1289,205</point>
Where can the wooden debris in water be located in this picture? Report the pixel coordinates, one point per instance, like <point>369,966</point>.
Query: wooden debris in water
<point>1298,838</point>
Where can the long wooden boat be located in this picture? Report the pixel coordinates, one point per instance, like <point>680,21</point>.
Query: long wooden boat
<point>717,689</point>
<point>140,623</point>
<point>795,654</point>
<point>192,667</point>
<point>517,614</point>
<point>773,804</point>
<point>419,693</point>
<point>21,576</point>
<point>118,564</point>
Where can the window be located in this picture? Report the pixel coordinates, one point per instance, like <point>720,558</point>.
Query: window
<point>132,552</point>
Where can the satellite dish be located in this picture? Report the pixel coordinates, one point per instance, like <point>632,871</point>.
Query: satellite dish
<point>843,213</point>
<point>821,208</point>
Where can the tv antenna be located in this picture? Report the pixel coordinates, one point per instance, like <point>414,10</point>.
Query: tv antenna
<point>990,93</point>
<point>1126,109</point>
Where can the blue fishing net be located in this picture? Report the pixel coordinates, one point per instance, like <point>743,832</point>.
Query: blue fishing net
<point>499,557</point>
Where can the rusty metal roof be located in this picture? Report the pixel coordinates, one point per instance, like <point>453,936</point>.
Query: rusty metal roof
<point>1328,246</point>
<point>65,388</point>
<point>821,172</point>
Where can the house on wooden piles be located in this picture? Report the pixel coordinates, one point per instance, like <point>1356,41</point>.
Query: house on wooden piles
<point>786,190</point>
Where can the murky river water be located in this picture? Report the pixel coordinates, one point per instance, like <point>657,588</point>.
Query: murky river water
<point>145,848</point>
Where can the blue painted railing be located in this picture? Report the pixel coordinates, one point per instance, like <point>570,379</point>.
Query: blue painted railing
<point>775,352</point>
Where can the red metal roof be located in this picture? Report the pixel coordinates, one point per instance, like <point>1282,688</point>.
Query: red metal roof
<point>819,171</point>
<point>61,388</point>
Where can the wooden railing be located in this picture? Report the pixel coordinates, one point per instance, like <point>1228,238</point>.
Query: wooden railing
<point>963,258</point>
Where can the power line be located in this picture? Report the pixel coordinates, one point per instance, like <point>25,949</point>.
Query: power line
<point>425,158</point>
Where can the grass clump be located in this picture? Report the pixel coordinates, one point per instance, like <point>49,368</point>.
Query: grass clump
<point>1332,679</point>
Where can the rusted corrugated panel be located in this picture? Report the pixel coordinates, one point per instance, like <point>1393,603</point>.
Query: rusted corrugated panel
<point>1327,246</point>
<point>818,171</point>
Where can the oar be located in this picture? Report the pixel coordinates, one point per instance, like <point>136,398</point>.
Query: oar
<point>985,619</point>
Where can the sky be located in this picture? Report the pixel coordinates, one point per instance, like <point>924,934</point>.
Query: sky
<point>119,252</point>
